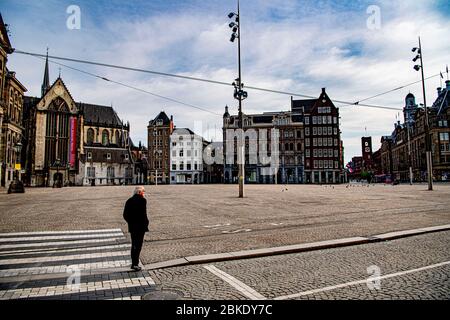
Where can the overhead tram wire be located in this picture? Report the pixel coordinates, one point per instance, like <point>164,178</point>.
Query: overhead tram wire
<point>395,89</point>
<point>131,87</point>
<point>197,79</point>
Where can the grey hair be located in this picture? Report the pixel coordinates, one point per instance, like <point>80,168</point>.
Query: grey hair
<point>138,190</point>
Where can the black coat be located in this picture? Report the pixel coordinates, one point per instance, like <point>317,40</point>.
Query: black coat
<point>135,214</point>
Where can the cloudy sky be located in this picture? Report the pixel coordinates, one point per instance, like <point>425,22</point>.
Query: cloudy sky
<point>288,45</point>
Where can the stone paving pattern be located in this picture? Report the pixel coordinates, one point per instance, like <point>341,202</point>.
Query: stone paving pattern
<point>206,219</point>
<point>39,267</point>
<point>290,274</point>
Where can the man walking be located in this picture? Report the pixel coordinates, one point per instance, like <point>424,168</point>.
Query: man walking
<point>135,214</point>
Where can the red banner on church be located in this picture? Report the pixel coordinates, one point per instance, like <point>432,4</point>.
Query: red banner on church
<point>73,141</point>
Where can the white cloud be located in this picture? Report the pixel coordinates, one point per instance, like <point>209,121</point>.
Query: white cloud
<point>323,48</point>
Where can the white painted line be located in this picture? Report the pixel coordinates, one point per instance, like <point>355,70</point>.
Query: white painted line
<point>62,237</point>
<point>58,232</point>
<point>237,231</point>
<point>63,268</point>
<point>83,287</point>
<point>64,258</point>
<point>56,244</point>
<point>44,252</point>
<point>365,281</point>
<point>235,283</point>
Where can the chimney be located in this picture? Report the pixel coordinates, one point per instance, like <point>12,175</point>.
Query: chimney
<point>439,90</point>
<point>447,84</point>
<point>323,90</point>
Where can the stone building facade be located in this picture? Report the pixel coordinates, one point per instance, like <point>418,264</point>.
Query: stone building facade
<point>186,157</point>
<point>159,131</point>
<point>11,114</point>
<point>309,146</point>
<point>73,143</point>
<point>406,146</point>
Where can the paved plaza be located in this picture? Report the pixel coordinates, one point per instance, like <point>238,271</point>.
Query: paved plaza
<point>45,234</point>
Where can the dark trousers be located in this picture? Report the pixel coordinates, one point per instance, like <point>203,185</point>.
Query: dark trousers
<point>137,238</point>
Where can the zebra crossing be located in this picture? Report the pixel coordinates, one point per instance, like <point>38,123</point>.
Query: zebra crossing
<point>69,265</point>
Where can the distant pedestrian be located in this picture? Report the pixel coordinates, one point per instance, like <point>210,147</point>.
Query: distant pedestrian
<point>135,214</point>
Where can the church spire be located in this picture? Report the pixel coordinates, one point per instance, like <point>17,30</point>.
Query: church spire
<point>46,81</point>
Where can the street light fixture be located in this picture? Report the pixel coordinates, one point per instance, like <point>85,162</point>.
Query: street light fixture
<point>239,94</point>
<point>427,137</point>
<point>16,186</point>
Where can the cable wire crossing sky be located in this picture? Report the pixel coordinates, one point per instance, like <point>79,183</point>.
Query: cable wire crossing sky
<point>359,51</point>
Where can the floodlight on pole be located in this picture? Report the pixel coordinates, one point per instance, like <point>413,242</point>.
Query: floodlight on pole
<point>427,125</point>
<point>239,95</point>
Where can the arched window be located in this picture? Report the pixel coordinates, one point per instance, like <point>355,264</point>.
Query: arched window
<point>90,136</point>
<point>117,138</point>
<point>105,137</point>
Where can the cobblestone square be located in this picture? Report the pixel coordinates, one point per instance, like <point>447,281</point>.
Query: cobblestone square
<point>206,219</point>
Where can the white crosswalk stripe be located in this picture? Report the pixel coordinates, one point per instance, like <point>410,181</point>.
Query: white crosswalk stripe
<point>96,258</point>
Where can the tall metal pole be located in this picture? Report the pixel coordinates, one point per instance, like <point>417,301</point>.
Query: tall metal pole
<point>427,137</point>
<point>241,124</point>
<point>409,154</point>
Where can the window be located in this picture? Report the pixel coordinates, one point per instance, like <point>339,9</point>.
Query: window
<point>315,153</point>
<point>299,134</point>
<point>335,131</point>
<point>127,157</point>
<point>110,172</point>
<point>105,137</point>
<point>181,165</point>
<point>195,165</point>
<point>189,166</point>
<point>174,144</point>
<point>196,153</point>
<point>336,164</point>
<point>320,154</point>
<point>308,154</point>
<point>329,131</point>
<point>336,153</point>
<point>90,136</point>
<point>188,153</point>
<point>307,141</point>
<point>319,142</point>
<point>319,131</point>
<point>89,155</point>
<point>325,164</point>
<point>334,120</point>
<point>174,167</point>
<point>314,142</point>
<point>91,172</point>
<point>444,136</point>
<point>181,153</point>
<point>315,164</point>
<point>108,156</point>
<point>314,120</point>
<point>335,142</point>
<point>320,164</point>
<point>324,119</point>
<point>174,153</point>
<point>314,131</point>
<point>319,120</point>
<point>329,119</point>
<point>306,131</point>
<point>306,120</point>
<point>325,153</point>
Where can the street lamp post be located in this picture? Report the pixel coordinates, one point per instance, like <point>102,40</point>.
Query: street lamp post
<point>16,186</point>
<point>240,95</point>
<point>427,137</point>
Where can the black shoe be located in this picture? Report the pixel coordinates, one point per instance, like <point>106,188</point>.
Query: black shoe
<point>136,268</point>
